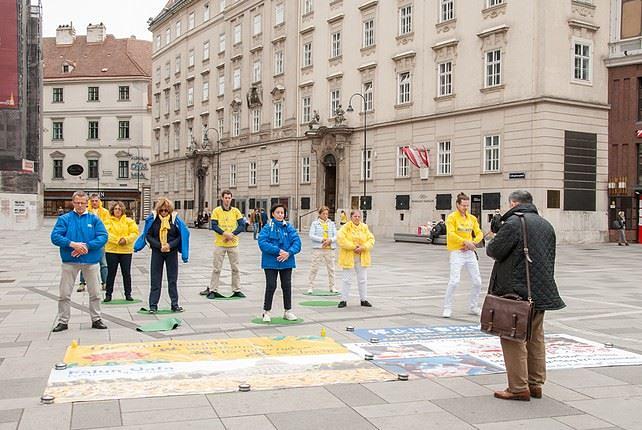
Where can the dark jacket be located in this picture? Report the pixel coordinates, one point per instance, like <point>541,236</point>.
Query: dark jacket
<point>141,242</point>
<point>509,271</point>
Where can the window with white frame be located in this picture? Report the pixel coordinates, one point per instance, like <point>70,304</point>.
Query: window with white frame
<point>368,96</point>
<point>221,124</point>
<point>191,21</point>
<point>278,63</point>
<point>190,58</point>
<point>252,174</point>
<point>123,169</point>
<point>491,153</point>
<point>493,68</point>
<point>279,14</point>
<point>177,64</point>
<point>256,120</point>
<point>444,164</point>
<point>306,109</point>
<point>403,167</point>
<point>232,175</point>
<point>177,97</point>
<point>256,25</point>
<point>206,50</point>
<point>308,7</point>
<point>206,12</point>
<point>158,42</point>
<point>278,115</point>
<point>168,36</point>
<point>236,82</point>
<point>237,34</point>
<point>168,70</point>
<point>274,172</point>
<point>92,129</point>
<point>57,169</point>
<point>305,170</point>
<point>236,124</point>
<point>367,164</point>
<point>157,106</point>
<point>166,100</point>
<point>221,42</point>
<point>206,91</point>
<point>307,54</point>
<point>405,19</point>
<point>58,95</point>
<point>256,71</point>
<point>335,44</point>
<point>445,76</point>
<point>189,178</point>
<point>446,10</point>
<point>178,29</point>
<point>190,132</point>
<point>403,88</point>
<point>177,136</point>
<point>190,95</point>
<point>491,3</point>
<point>335,101</point>
<point>368,33</point>
<point>92,169</point>
<point>221,85</point>
<point>123,129</point>
<point>581,61</point>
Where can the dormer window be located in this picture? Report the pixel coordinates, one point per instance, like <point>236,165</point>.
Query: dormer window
<point>67,68</point>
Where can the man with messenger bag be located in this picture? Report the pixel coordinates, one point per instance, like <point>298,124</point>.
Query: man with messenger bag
<point>524,254</point>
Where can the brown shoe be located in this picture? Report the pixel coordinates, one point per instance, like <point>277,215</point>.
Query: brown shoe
<point>507,395</point>
<point>536,391</point>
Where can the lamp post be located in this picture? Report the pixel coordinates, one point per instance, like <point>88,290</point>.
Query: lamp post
<point>205,144</point>
<point>365,151</point>
<point>140,199</point>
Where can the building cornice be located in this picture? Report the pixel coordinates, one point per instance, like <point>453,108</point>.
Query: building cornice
<point>583,24</point>
<point>85,79</point>
<point>493,30</point>
<point>625,60</point>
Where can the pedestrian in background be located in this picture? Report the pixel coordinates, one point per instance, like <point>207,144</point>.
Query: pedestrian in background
<point>96,208</point>
<point>80,235</point>
<point>343,218</point>
<point>255,219</point>
<point>460,228</point>
<point>525,362</point>
<point>279,242</point>
<point>355,242</point>
<point>323,234</point>
<point>167,235</point>
<point>119,249</point>
<point>620,224</point>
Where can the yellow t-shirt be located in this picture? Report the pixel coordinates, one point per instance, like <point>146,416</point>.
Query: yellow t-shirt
<point>324,225</point>
<point>227,221</point>
<point>460,229</point>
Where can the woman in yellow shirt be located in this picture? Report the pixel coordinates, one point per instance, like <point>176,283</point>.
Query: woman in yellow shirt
<point>123,232</point>
<point>355,242</point>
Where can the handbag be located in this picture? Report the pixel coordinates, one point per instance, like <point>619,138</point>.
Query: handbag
<point>509,316</point>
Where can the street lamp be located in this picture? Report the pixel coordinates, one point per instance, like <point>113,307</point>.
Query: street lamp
<point>365,151</point>
<point>138,164</point>
<point>204,145</point>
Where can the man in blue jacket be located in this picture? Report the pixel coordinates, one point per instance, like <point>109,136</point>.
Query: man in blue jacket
<point>80,235</point>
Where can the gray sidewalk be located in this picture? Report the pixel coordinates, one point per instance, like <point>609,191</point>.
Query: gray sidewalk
<point>599,283</point>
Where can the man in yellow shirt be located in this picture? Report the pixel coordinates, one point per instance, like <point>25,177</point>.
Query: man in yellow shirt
<point>227,223</point>
<point>460,227</point>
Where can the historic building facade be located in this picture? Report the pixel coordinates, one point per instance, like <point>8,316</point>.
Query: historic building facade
<point>97,118</point>
<point>625,118</point>
<point>503,95</point>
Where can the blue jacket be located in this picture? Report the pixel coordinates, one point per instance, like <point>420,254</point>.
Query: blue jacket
<point>87,228</point>
<point>274,237</point>
<point>141,243</point>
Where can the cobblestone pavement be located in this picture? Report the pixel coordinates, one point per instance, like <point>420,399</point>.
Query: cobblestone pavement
<point>600,283</point>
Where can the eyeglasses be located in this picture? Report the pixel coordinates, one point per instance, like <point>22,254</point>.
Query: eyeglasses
<point>163,210</point>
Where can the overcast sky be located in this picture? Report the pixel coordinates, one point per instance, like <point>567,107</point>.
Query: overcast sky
<point>122,18</point>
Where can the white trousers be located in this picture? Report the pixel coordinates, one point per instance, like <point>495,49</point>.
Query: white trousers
<point>324,257</point>
<point>459,260</point>
<point>91,273</point>
<point>362,280</point>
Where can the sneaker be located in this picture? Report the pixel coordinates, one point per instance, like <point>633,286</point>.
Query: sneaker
<point>475,311</point>
<point>310,291</point>
<point>238,294</point>
<point>98,324</point>
<point>215,295</point>
<point>447,313</point>
<point>81,288</point>
<point>205,292</point>
<point>153,310</point>
<point>107,299</point>
<point>289,315</point>
<point>366,303</point>
<point>129,298</point>
<point>266,317</point>
<point>333,290</point>
<point>60,327</point>
<point>177,308</point>
<point>342,304</point>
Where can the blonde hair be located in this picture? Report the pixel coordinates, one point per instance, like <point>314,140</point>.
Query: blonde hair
<point>354,211</point>
<point>164,202</point>
<point>119,204</point>
<point>323,208</point>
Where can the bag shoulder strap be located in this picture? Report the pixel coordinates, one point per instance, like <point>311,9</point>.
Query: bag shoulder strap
<point>526,254</point>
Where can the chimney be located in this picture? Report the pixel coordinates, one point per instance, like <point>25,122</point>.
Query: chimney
<point>65,34</point>
<point>96,33</point>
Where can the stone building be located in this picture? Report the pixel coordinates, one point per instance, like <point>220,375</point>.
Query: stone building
<point>97,118</point>
<point>504,95</point>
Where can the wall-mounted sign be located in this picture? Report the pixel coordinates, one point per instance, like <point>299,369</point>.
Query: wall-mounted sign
<point>517,175</point>
<point>28,165</point>
<point>75,170</point>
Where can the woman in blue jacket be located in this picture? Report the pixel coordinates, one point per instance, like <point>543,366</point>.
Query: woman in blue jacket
<point>279,242</point>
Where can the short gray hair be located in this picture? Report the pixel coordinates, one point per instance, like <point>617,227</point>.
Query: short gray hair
<point>521,196</point>
<point>79,193</point>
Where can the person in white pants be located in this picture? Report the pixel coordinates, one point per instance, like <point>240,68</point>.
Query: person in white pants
<point>323,234</point>
<point>355,242</point>
<point>463,233</point>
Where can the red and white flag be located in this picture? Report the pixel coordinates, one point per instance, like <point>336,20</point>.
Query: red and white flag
<point>638,134</point>
<point>419,157</point>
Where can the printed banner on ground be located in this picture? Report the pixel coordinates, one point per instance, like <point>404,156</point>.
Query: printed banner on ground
<point>408,334</point>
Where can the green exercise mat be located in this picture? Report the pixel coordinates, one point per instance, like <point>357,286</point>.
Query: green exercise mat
<point>160,325</point>
<point>321,293</point>
<point>145,311</point>
<point>277,321</point>
<point>319,303</point>
<point>121,302</point>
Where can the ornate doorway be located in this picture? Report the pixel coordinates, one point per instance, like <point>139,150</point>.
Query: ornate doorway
<point>330,183</point>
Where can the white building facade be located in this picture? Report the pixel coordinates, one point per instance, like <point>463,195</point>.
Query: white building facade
<point>504,94</point>
<point>97,118</point>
